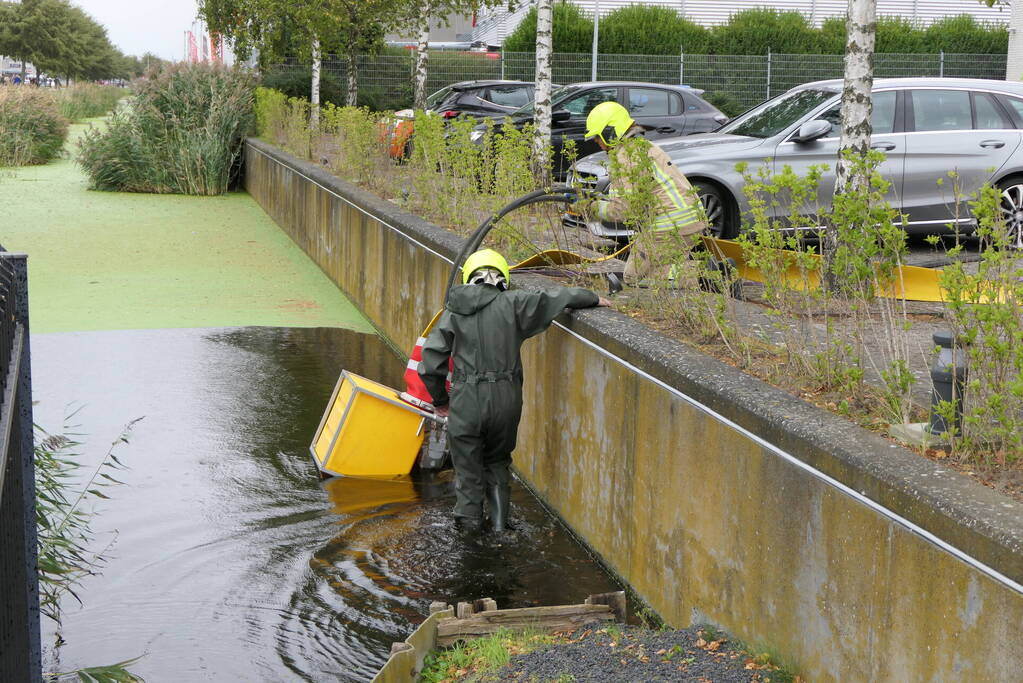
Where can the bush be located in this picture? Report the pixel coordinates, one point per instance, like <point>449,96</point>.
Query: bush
<point>573,31</point>
<point>297,82</point>
<point>757,31</point>
<point>182,135</point>
<point>963,35</point>
<point>32,131</point>
<point>725,102</point>
<point>87,100</point>
<point>646,30</point>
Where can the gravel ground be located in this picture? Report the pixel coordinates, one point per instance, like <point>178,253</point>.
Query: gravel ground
<point>635,655</point>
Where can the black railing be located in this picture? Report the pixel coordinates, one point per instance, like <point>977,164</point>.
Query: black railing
<point>20,650</point>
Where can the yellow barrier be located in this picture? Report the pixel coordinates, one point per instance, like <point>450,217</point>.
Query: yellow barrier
<point>911,283</point>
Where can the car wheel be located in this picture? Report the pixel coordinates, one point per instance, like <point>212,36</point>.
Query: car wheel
<point>1012,209</point>
<point>718,207</point>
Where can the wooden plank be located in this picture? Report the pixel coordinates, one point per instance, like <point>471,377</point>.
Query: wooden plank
<point>557,618</point>
<point>438,607</point>
<point>485,605</point>
<point>616,601</point>
<point>400,666</point>
<point>464,610</point>
<point>406,660</point>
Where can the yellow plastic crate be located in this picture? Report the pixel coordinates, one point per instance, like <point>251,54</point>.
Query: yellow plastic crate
<point>367,431</point>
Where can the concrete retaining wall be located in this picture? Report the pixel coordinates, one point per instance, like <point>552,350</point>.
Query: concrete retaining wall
<point>716,496</point>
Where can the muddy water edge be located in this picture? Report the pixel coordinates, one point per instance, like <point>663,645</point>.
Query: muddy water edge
<point>230,559</point>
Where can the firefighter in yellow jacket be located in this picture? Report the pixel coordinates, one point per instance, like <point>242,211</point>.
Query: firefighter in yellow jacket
<point>669,217</point>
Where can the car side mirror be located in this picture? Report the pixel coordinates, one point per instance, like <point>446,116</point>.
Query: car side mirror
<point>560,116</point>
<point>812,130</point>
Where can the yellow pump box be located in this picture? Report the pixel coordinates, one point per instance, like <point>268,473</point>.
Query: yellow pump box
<point>367,431</point>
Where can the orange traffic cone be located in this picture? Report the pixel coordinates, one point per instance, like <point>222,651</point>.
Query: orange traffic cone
<point>415,391</point>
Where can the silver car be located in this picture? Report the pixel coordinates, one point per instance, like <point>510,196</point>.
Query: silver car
<point>925,126</point>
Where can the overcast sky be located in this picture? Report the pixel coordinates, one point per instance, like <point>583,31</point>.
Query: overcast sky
<point>137,26</point>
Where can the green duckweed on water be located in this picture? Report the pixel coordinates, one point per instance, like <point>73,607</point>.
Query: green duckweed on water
<point>110,260</point>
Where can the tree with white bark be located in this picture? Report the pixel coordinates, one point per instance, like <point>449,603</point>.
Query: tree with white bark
<point>423,13</point>
<point>542,94</point>
<point>302,28</point>
<point>857,104</point>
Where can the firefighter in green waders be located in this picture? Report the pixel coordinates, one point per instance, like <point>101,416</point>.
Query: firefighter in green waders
<point>676,216</point>
<point>482,329</point>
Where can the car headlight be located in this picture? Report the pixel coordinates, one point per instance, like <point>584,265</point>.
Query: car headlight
<point>476,136</point>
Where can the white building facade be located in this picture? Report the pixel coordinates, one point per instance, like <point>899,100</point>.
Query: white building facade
<point>493,25</point>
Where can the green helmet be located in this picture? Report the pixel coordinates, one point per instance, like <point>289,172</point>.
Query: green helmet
<point>605,115</point>
<point>486,258</point>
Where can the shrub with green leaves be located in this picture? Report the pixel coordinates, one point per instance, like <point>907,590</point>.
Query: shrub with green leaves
<point>965,35</point>
<point>648,30</point>
<point>573,31</point>
<point>32,131</point>
<point>297,82</point>
<point>183,134</point>
<point>88,100</point>
<point>757,31</point>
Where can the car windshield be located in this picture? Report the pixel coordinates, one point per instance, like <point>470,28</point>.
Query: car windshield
<point>437,97</point>
<point>557,95</point>
<point>776,115</point>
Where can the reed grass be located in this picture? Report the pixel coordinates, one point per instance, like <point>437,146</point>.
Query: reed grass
<point>182,134</point>
<point>32,130</point>
<point>88,100</point>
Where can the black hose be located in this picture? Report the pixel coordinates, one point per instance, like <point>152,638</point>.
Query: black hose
<point>567,195</point>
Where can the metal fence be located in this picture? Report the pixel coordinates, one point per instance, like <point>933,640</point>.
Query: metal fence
<point>385,81</point>
<point>20,653</point>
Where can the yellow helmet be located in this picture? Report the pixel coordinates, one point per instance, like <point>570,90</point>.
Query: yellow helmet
<point>485,258</point>
<point>608,114</point>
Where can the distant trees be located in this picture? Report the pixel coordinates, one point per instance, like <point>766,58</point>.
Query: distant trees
<point>59,39</point>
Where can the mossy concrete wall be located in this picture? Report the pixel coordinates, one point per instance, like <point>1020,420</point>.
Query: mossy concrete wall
<point>716,496</point>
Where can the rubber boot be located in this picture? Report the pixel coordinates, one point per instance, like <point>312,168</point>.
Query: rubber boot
<point>499,498</point>
<point>469,526</point>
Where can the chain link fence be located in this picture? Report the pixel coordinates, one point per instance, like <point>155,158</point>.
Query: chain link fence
<point>385,81</point>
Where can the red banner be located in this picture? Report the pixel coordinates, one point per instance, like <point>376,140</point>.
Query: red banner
<point>217,47</point>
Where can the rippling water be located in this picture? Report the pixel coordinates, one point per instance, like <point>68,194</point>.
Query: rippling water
<point>231,560</point>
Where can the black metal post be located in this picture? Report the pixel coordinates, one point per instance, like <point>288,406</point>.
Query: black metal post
<point>20,641</point>
<point>948,376</point>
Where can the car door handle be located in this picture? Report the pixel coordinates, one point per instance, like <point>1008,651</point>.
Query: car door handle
<point>886,146</point>
<point>666,129</point>
<point>993,144</point>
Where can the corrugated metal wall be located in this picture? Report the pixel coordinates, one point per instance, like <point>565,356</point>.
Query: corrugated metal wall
<point>494,24</point>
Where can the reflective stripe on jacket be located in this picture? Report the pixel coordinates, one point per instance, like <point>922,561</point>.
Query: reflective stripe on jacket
<point>678,208</point>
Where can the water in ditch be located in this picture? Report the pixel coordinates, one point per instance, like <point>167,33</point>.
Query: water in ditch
<point>228,558</point>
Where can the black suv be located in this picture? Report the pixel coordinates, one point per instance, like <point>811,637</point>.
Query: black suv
<point>664,110</point>
<point>480,99</point>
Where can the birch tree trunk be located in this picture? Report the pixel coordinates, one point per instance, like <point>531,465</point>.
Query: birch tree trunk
<point>1014,64</point>
<point>314,86</point>
<point>857,103</point>
<point>352,94</point>
<point>422,56</point>
<point>542,96</point>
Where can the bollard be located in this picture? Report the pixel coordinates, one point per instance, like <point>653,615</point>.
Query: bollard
<point>948,376</point>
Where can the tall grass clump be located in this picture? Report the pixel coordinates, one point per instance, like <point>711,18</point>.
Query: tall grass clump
<point>66,537</point>
<point>88,100</point>
<point>32,131</point>
<point>182,134</point>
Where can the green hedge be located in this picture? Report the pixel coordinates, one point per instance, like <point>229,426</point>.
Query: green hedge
<point>573,31</point>
<point>645,30</point>
<point>648,30</point>
<point>297,82</point>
